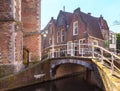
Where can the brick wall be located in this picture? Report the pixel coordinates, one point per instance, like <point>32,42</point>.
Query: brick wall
<point>11,39</point>
<point>5,38</point>
<point>10,10</point>
<point>26,77</point>
<point>67,69</point>
<point>81,29</point>
<point>4,71</point>
<point>18,44</point>
<point>31,15</point>
<point>31,24</point>
<point>5,10</point>
<point>32,44</point>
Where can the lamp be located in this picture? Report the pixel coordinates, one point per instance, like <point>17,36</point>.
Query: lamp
<point>44,33</point>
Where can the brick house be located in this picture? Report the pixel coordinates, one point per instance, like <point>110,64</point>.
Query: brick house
<point>76,27</point>
<point>19,29</point>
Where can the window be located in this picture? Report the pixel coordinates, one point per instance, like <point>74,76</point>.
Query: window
<point>112,38</point>
<point>50,41</point>
<point>62,36</point>
<point>58,37</point>
<point>81,46</point>
<point>69,47</point>
<point>75,28</point>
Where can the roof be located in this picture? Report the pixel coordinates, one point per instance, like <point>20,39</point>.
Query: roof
<point>92,24</point>
<point>67,17</point>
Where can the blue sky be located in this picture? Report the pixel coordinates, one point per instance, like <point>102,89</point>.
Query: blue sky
<point>110,10</point>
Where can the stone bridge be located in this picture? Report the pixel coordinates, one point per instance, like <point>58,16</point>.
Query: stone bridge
<point>95,68</point>
<point>85,62</point>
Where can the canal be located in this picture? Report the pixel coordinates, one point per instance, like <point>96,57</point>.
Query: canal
<point>67,84</point>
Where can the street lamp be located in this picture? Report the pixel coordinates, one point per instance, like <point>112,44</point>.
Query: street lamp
<point>45,35</point>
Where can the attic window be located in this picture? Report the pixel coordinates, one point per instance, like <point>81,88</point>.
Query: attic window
<point>75,28</point>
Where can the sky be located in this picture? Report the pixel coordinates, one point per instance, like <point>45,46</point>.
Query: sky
<point>109,9</point>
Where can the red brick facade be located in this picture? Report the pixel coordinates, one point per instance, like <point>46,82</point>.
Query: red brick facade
<point>11,34</point>
<point>19,28</point>
<point>31,27</point>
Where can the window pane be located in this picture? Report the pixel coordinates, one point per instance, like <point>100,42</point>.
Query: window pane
<point>75,28</point>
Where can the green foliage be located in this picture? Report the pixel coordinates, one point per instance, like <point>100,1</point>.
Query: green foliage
<point>118,40</point>
<point>106,44</point>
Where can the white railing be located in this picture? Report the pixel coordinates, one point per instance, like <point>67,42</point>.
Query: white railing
<point>101,54</point>
<point>107,58</point>
<point>82,50</point>
<point>116,51</point>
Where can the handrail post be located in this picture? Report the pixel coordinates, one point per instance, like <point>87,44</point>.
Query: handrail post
<point>93,56</point>
<point>112,64</point>
<point>79,47</point>
<point>102,56</point>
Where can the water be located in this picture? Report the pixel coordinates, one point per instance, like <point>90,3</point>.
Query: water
<point>67,84</point>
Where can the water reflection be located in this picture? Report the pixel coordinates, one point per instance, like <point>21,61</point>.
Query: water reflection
<point>67,84</point>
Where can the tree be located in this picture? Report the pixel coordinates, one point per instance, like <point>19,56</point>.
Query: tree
<point>118,40</point>
<point>116,22</point>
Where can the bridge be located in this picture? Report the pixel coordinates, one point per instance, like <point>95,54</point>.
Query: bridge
<point>94,52</point>
<point>89,56</point>
<point>86,60</point>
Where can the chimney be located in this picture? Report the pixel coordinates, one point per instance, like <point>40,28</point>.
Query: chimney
<point>63,8</point>
<point>89,13</point>
<point>77,10</point>
<point>101,17</point>
<point>52,18</point>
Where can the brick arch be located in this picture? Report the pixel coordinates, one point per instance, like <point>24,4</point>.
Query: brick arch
<point>56,63</point>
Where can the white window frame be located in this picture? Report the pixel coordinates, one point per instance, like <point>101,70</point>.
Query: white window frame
<point>75,25</point>
<point>81,42</point>
<point>112,38</point>
<point>50,41</point>
<point>69,47</point>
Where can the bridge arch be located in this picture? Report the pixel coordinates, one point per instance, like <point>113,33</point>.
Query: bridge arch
<point>56,63</point>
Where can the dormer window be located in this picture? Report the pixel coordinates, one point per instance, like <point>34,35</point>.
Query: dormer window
<point>75,28</point>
